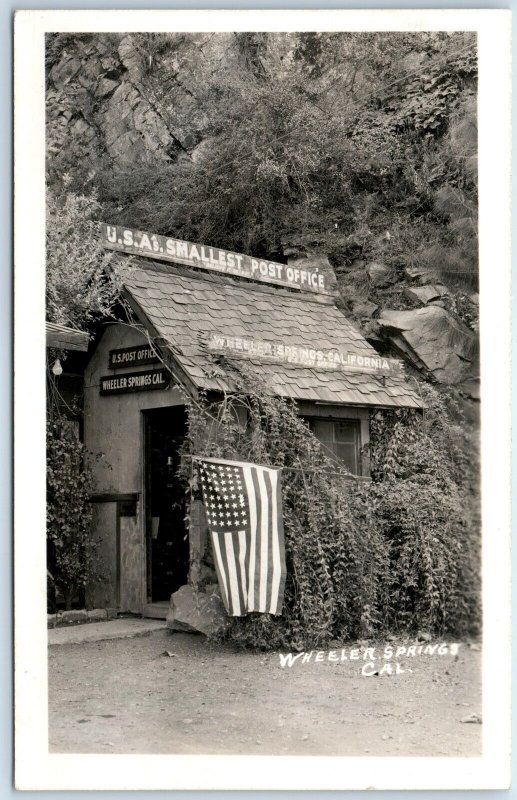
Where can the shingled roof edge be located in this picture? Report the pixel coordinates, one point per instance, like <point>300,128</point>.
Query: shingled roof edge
<point>170,268</point>
<point>190,386</point>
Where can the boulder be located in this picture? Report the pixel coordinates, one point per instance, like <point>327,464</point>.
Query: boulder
<point>421,274</point>
<point>431,337</point>
<point>192,610</point>
<point>364,308</point>
<point>314,261</point>
<point>380,274</point>
<point>425,294</point>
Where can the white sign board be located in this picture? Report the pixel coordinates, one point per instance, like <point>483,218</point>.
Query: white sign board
<point>303,355</point>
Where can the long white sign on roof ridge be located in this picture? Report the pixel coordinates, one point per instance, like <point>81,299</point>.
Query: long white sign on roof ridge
<point>166,248</point>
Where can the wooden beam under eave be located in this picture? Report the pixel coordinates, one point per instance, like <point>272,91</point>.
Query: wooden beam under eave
<point>67,339</point>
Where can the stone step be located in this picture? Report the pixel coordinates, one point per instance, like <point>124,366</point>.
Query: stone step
<point>157,610</point>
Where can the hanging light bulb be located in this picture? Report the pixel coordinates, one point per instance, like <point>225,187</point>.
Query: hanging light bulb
<point>57,369</point>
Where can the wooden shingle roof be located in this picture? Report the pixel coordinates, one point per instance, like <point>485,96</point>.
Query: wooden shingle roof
<point>184,307</point>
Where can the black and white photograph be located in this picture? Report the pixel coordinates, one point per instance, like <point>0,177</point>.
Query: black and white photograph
<point>265,506</point>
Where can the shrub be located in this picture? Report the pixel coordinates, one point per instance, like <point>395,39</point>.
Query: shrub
<point>72,553</point>
<point>80,286</point>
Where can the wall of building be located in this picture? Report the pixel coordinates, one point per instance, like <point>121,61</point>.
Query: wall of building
<point>114,429</point>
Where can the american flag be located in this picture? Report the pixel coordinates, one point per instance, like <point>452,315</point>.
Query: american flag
<point>243,504</point>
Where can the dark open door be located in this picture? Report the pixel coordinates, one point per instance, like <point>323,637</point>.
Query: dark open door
<point>167,537</point>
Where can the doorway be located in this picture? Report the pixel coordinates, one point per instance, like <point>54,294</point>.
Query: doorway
<point>167,544</point>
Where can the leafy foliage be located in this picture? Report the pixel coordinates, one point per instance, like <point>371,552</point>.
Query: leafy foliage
<point>72,553</point>
<point>80,287</point>
<point>425,475</point>
<point>396,554</point>
<point>316,140</point>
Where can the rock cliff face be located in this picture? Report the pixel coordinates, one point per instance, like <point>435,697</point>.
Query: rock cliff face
<point>112,104</point>
<point>96,99</point>
<point>100,99</point>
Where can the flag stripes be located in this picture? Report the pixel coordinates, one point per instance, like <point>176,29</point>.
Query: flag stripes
<point>243,505</point>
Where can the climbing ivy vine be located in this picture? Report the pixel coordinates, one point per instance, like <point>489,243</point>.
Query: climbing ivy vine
<point>396,554</point>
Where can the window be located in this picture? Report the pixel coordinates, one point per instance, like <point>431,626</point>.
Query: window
<point>341,440</point>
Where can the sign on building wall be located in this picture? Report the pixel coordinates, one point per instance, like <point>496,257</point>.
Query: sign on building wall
<point>165,248</point>
<point>302,355</point>
<point>144,381</point>
<point>132,357</point>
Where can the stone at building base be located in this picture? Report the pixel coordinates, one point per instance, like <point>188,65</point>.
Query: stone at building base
<point>192,610</point>
<point>81,615</point>
<point>97,614</point>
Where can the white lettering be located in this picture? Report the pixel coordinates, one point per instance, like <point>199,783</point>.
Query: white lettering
<point>194,254</point>
<point>288,659</point>
<point>145,244</point>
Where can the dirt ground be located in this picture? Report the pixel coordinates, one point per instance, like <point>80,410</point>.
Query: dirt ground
<point>129,696</point>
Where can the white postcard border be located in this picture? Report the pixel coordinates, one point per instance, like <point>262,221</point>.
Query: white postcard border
<point>37,769</point>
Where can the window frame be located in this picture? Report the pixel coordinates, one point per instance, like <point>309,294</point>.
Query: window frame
<point>312,420</point>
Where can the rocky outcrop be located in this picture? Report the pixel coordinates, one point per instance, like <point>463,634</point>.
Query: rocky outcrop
<point>306,258</point>
<point>427,293</point>
<point>433,341</point>
<point>364,309</point>
<point>99,102</point>
<point>379,274</point>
